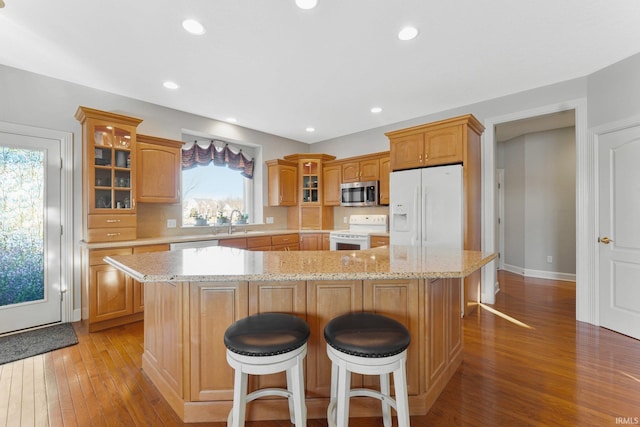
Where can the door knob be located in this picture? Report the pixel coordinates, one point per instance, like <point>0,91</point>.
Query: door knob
<point>604,240</point>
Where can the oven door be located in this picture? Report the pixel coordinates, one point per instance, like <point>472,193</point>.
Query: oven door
<point>348,242</point>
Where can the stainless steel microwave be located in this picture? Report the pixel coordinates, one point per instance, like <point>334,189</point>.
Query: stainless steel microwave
<point>359,193</point>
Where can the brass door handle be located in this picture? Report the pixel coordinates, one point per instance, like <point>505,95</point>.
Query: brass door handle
<point>604,240</point>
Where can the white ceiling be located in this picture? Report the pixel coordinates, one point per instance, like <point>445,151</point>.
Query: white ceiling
<point>280,69</point>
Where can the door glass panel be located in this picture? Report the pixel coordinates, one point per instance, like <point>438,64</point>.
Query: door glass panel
<point>21,226</point>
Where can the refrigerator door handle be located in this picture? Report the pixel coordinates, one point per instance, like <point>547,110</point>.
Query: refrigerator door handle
<point>424,217</point>
<point>415,239</point>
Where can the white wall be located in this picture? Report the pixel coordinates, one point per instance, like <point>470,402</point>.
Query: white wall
<point>540,208</point>
<point>34,100</point>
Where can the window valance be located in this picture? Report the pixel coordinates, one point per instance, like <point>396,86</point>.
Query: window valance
<point>225,156</point>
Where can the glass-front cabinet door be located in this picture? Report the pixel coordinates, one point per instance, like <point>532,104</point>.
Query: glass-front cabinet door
<point>113,176</point>
<point>310,170</point>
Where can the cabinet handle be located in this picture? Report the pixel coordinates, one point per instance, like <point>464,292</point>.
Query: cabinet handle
<point>420,158</point>
<point>113,234</point>
<point>112,220</point>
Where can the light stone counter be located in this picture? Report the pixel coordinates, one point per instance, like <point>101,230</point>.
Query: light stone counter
<point>229,264</point>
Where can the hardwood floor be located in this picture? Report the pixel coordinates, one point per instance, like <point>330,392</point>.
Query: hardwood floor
<point>526,362</point>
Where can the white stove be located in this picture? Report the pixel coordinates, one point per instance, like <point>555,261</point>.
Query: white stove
<point>357,236</point>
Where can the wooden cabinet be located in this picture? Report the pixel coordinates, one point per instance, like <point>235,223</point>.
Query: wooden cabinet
<point>325,301</point>
<point>377,241</point>
<point>311,213</point>
<point>399,300</point>
<point>326,242</point>
<point>361,170</point>
<point>385,170</point>
<point>285,242</point>
<point>282,182</point>
<point>234,242</point>
<point>439,143</point>
<point>109,297</point>
<point>444,327</point>
<point>108,174</point>
<point>311,241</point>
<point>213,307</point>
<point>158,169</point>
<point>185,325</point>
<point>259,243</point>
<point>331,180</point>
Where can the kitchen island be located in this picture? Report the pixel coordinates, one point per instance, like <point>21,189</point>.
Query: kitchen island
<point>192,296</point>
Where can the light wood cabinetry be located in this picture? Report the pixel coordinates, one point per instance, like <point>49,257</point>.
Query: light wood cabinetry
<point>285,242</point>
<point>282,182</point>
<point>377,241</point>
<point>234,242</point>
<point>439,143</point>
<point>109,297</point>
<point>331,180</point>
<point>326,242</point>
<point>158,169</point>
<point>311,213</point>
<point>361,170</point>
<point>454,140</point>
<point>385,170</point>
<point>259,243</point>
<point>187,361</point>
<point>108,175</point>
<point>311,241</point>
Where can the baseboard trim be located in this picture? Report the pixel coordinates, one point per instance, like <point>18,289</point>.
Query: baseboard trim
<point>540,274</point>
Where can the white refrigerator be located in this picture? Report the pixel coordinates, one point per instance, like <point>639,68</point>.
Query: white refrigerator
<point>427,207</point>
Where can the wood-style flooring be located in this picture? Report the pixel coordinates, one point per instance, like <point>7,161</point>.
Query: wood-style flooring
<point>527,362</point>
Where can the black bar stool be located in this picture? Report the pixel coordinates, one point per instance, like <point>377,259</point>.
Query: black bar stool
<point>368,344</point>
<point>266,344</point>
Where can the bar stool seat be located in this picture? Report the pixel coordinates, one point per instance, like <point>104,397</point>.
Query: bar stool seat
<point>264,344</point>
<point>368,344</point>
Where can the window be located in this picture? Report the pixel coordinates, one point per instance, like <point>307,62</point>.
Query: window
<point>216,182</point>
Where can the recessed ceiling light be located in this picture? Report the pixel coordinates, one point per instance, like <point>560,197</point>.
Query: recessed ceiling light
<point>310,129</point>
<point>170,85</point>
<point>231,119</point>
<point>306,4</point>
<point>193,27</point>
<point>408,33</point>
<point>376,110</point>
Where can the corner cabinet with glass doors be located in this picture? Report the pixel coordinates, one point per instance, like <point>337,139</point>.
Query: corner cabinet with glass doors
<point>310,213</point>
<point>108,215</point>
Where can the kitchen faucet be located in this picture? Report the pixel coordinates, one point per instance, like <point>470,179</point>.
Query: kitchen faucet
<point>231,219</point>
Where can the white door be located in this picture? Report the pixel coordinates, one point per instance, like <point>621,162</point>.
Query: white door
<point>404,207</point>
<point>442,209</point>
<point>619,227</point>
<point>30,228</point>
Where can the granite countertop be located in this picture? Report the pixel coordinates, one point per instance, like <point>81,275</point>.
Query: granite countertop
<point>230,264</point>
<point>200,237</point>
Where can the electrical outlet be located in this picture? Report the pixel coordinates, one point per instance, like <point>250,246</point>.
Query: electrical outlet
<point>549,259</point>
<point>269,220</point>
<point>171,223</point>
<point>344,219</point>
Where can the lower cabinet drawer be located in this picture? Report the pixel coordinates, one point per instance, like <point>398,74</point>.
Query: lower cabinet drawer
<point>284,239</point>
<point>110,234</point>
<point>111,221</point>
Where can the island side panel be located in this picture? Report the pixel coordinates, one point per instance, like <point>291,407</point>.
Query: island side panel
<point>399,300</point>
<point>164,340</point>
<point>213,307</point>
<point>280,297</point>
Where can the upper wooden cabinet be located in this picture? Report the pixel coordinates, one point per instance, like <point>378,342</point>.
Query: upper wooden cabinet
<point>385,170</point>
<point>331,179</point>
<point>361,170</point>
<point>438,143</point>
<point>311,212</point>
<point>282,182</point>
<point>158,169</point>
<point>108,175</point>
